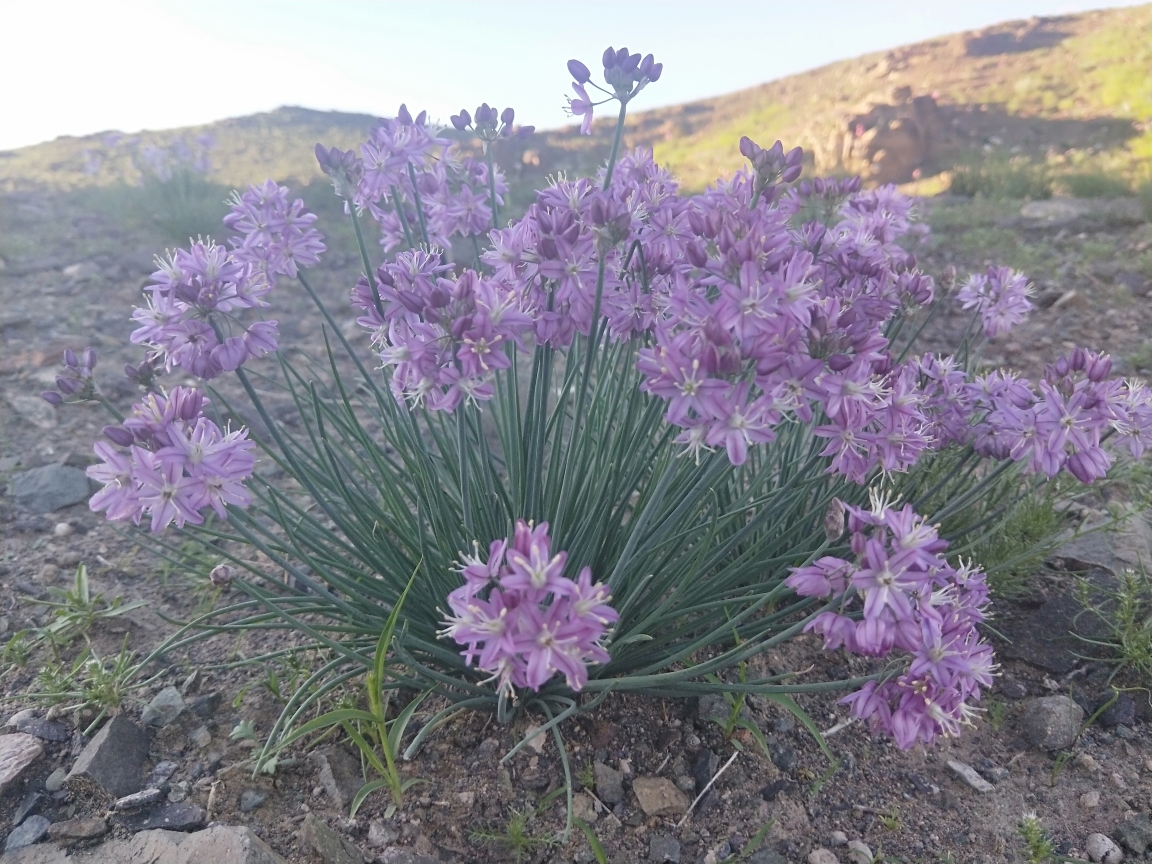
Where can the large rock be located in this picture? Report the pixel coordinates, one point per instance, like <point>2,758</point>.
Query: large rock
<point>49,488</point>
<point>1082,212</point>
<point>1052,723</point>
<point>317,837</point>
<point>33,829</point>
<point>17,752</point>
<point>659,796</point>
<point>112,762</point>
<point>221,844</point>
<point>1135,834</point>
<point>172,816</point>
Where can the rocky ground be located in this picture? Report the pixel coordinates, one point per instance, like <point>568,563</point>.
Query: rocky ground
<point>113,791</point>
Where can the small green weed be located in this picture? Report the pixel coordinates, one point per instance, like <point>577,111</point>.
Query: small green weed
<point>1092,185</point>
<point>1014,178</point>
<point>997,712</point>
<point>74,612</point>
<point>891,820</point>
<point>517,839</point>
<point>587,776</point>
<point>90,682</point>
<point>1126,615</point>
<point>1038,845</point>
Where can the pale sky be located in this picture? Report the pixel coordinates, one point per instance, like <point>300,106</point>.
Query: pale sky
<point>74,67</point>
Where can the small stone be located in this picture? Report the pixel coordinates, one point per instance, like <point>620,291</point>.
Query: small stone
<point>1102,850</point>
<point>136,800</point>
<point>1087,763</point>
<point>48,573</point>
<point>164,708</point>
<point>820,855</point>
<point>658,796</point>
<point>859,852</point>
<point>691,740</point>
<point>404,855</point>
<point>1118,781</point>
<point>62,529</point>
<point>28,713</point>
<point>1122,712</point>
<point>206,705</point>
<point>339,774</point>
<point>685,784</point>
<point>55,780</point>
<point>381,834</point>
<point>583,807</point>
<point>1090,800</point>
<point>45,730</point>
<point>17,752</point>
<point>184,816</point>
<point>250,799</point>
<point>837,838</point>
<point>783,755</point>
<point>1052,722</point>
<point>161,772</point>
<point>1135,834</point>
<point>27,805</point>
<point>1124,733</point>
<point>200,737</point>
<point>70,558</point>
<point>113,760</point>
<point>536,739</point>
<point>664,848</point>
<point>179,791</point>
<point>76,830</point>
<point>968,774</point>
<point>466,799</point>
<point>609,783</point>
<point>330,846</point>
<point>31,831</point>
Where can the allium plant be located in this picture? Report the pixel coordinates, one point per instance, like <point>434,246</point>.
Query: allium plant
<point>653,410</point>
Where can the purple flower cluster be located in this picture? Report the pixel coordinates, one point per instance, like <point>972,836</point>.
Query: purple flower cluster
<point>443,338</point>
<point>1000,296</point>
<point>625,74</point>
<point>278,237</point>
<point>76,383</point>
<point>522,619</point>
<point>1060,424</point>
<point>191,309</point>
<point>415,187</point>
<point>900,593</point>
<point>177,463</point>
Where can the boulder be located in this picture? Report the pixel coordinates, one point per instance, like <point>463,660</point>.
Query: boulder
<point>49,488</point>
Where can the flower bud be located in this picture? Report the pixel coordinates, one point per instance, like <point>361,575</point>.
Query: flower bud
<point>646,65</point>
<point>118,435</point>
<point>579,72</point>
<point>654,72</point>
<point>839,362</point>
<point>525,131</point>
<point>421,118</point>
<point>70,358</point>
<point>696,254</point>
<point>412,301</point>
<point>507,116</point>
<point>630,63</point>
<point>67,386</point>
<point>404,116</point>
<point>609,58</point>
<point>459,122</point>
<point>52,397</point>
<point>222,575</point>
<point>89,359</point>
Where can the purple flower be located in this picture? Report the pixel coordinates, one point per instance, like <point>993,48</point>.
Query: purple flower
<point>522,620</point>
<point>581,106</point>
<point>1000,296</point>
<point>277,236</point>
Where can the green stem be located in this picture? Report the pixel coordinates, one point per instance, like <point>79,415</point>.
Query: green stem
<point>465,491</point>
<point>492,185</point>
<point>398,203</point>
<point>368,273</point>
<point>616,143</point>
<point>419,205</point>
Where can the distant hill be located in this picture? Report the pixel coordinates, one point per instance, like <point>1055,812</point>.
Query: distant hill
<point>1074,91</point>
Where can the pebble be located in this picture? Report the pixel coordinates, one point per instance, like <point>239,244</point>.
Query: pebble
<point>137,799</point>
<point>62,529</point>
<point>75,830</point>
<point>1090,800</point>
<point>1102,850</point>
<point>1052,722</point>
<point>968,774</point>
<point>178,792</point>
<point>200,737</point>
<point>49,573</point>
<point>31,831</point>
<point>1087,762</point>
<point>859,852</point>
<point>380,834</point>
<point>685,784</point>
<point>55,781</point>
<point>1118,781</point>
<point>26,806</point>
<point>664,849</point>
<point>692,741</point>
<point>837,838</point>
<point>69,559</point>
<point>250,799</point>
<point>609,783</point>
<point>820,855</point>
<point>30,713</point>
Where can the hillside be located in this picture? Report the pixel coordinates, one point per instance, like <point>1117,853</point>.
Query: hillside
<point>1073,91</point>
